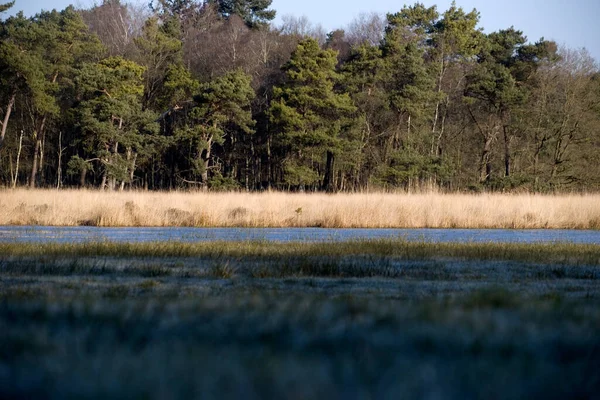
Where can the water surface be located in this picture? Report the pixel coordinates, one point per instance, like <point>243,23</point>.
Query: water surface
<point>41,234</point>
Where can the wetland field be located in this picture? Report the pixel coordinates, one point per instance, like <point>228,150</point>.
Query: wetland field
<point>139,295</point>
<point>257,319</point>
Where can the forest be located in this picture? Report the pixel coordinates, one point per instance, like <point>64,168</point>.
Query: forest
<point>212,95</point>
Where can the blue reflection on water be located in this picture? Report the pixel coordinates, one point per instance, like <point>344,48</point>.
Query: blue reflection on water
<point>41,234</point>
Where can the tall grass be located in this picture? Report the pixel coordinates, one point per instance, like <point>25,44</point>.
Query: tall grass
<point>539,253</point>
<point>275,209</point>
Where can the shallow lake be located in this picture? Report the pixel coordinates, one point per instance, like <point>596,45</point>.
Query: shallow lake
<point>94,234</point>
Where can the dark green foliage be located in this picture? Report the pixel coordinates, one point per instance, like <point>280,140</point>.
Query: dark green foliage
<point>437,103</point>
<point>498,86</point>
<point>220,114</point>
<point>161,53</point>
<point>313,120</point>
<point>114,128</point>
<point>6,6</point>
<point>172,7</point>
<point>255,13</point>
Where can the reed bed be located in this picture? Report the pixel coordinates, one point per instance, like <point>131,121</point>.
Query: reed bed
<point>276,209</point>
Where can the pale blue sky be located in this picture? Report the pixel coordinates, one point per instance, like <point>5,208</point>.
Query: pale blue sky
<point>573,23</point>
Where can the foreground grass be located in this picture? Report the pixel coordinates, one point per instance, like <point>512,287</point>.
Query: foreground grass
<point>546,253</point>
<point>367,319</point>
<point>273,209</point>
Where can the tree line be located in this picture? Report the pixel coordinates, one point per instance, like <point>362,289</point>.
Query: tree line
<point>210,94</point>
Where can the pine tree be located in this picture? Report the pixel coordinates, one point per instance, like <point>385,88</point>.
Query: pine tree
<point>6,6</point>
<point>311,117</point>
<point>365,80</point>
<point>221,110</point>
<point>410,86</point>
<point>255,13</point>
<point>497,87</point>
<point>161,53</point>
<point>63,43</point>
<point>454,41</point>
<point>113,126</point>
<point>22,68</point>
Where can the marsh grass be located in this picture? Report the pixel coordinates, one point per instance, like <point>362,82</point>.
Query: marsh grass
<point>275,209</point>
<point>125,341</point>
<point>561,253</point>
<point>386,259</point>
<point>74,266</point>
<point>223,270</point>
<point>253,320</point>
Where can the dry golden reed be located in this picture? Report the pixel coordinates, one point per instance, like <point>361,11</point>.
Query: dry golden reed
<point>276,209</point>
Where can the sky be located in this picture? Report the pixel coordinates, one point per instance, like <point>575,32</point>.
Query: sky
<point>571,23</point>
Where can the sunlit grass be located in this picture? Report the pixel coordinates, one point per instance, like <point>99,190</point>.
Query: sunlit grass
<point>276,209</point>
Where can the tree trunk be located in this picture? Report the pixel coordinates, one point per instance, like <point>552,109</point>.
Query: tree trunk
<point>246,173</point>
<point>270,177</point>
<point>439,150</point>
<point>128,158</point>
<point>59,167</point>
<point>340,181</point>
<point>41,170</point>
<point>433,129</point>
<point>82,178</point>
<point>104,177</point>
<point>14,182</point>
<point>540,145</point>
<point>489,134</point>
<point>132,171</point>
<point>204,174</point>
<point>437,106</point>
<point>112,181</point>
<point>206,160</point>
<point>34,167</point>
<point>507,158</point>
<point>39,146</point>
<point>485,164</point>
<point>9,107</point>
<point>328,178</point>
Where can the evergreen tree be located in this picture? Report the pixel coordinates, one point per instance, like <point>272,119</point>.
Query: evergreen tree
<point>221,109</point>
<point>255,13</point>
<point>161,54</point>
<point>311,117</point>
<point>365,80</point>
<point>64,42</point>
<point>430,101</point>
<point>22,68</point>
<point>6,6</point>
<point>410,86</point>
<point>454,41</point>
<point>113,126</point>
<point>497,87</point>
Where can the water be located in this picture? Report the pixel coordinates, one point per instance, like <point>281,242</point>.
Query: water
<point>41,234</point>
